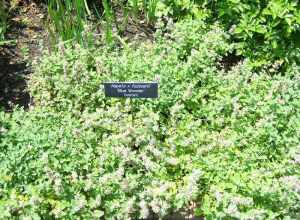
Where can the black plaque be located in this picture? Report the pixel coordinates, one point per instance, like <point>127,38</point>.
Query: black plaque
<point>131,89</point>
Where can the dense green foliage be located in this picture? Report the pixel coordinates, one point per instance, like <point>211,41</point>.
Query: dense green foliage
<point>222,143</point>
<point>264,30</point>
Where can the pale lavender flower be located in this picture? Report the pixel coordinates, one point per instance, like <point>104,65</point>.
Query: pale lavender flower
<point>61,47</point>
<point>44,157</point>
<point>159,190</point>
<point>120,173</point>
<point>88,184</point>
<point>128,207</point>
<point>232,209</point>
<point>172,161</point>
<point>57,212</point>
<point>226,142</point>
<point>190,190</point>
<point>98,214</point>
<point>98,200</point>
<point>296,159</point>
<point>152,142</point>
<point>218,196</point>
<point>78,68</point>
<point>74,176</point>
<point>99,66</point>
<point>157,153</point>
<point>292,182</point>
<point>195,175</point>
<point>77,132</point>
<point>188,93</point>
<point>192,186</point>
<point>159,24</point>
<point>155,128</point>
<point>176,108</point>
<point>108,191</point>
<point>170,24</point>
<point>144,209</point>
<point>186,142</point>
<point>232,29</point>
<point>149,165</point>
<point>155,206</point>
<point>3,130</point>
<point>242,201</point>
<point>57,185</point>
<point>65,70</point>
<point>34,200</point>
<point>125,185</point>
<point>80,202</point>
<point>157,78</point>
<point>124,152</point>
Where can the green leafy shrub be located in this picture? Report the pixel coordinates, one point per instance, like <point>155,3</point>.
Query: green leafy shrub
<point>264,31</point>
<point>178,10</point>
<point>222,144</point>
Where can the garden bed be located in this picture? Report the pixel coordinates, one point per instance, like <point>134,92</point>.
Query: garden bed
<point>221,141</point>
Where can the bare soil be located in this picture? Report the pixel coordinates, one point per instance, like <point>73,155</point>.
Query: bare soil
<point>25,32</point>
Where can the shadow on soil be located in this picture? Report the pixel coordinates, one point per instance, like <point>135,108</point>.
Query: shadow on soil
<point>13,84</point>
<point>13,68</point>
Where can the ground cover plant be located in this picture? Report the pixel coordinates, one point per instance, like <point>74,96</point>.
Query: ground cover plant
<point>222,144</point>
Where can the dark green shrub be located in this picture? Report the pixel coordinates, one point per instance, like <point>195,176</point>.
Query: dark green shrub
<point>264,31</point>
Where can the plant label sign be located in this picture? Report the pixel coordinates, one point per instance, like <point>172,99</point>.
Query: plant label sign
<point>131,89</point>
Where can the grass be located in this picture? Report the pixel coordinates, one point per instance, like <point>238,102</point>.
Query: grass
<point>67,18</point>
<point>3,21</point>
<point>150,9</point>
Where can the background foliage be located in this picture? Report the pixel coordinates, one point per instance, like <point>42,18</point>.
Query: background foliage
<point>3,20</point>
<point>263,31</point>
